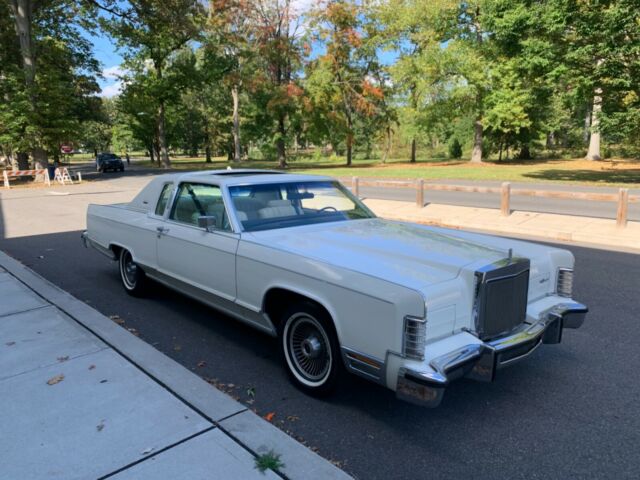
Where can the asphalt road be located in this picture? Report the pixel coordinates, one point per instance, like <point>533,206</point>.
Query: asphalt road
<point>570,411</point>
<point>530,204</point>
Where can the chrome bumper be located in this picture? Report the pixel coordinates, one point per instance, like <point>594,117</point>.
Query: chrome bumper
<point>481,361</point>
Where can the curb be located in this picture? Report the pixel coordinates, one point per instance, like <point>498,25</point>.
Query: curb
<point>234,419</point>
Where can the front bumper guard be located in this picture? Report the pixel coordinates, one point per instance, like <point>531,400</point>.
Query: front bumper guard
<point>481,361</point>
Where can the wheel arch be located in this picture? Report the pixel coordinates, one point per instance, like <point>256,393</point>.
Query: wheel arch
<point>277,299</point>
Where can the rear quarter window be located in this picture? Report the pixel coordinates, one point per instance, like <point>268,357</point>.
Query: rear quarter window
<point>165,194</point>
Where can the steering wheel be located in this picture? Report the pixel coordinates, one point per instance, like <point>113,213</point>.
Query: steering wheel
<point>324,209</point>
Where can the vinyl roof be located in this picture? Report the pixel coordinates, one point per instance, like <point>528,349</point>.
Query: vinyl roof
<point>246,176</point>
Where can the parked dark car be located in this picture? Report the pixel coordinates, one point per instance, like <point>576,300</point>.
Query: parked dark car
<point>109,161</point>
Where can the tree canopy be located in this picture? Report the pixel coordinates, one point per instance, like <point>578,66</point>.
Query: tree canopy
<point>265,79</point>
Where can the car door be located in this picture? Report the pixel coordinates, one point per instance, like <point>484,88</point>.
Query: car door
<point>193,255</point>
<point>145,248</point>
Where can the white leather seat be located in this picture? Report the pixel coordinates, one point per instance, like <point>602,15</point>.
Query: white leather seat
<point>277,208</point>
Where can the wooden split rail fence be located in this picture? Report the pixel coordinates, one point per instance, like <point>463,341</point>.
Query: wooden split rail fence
<point>505,191</point>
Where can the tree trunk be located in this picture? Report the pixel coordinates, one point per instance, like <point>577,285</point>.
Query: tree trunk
<point>525,153</point>
<point>156,147</point>
<point>40,159</point>
<point>349,148</point>
<point>587,125</point>
<point>162,138</point>
<point>22,161</point>
<point>413,150</point>
<point>280,144</point>
<point>237,151</point>
<point>22,12</point>
<point>594,141</point>
<point>476,153</point>
<point>151,152</point>
<point>551,140</point>
<point>387,146</point>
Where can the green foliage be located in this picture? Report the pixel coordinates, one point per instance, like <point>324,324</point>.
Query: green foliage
<point>45,105</point>
<point>360,79</point>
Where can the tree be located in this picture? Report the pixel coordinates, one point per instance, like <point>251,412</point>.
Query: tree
<point>279,53</point>
<point>48,74</point>
<point>338,82</point>
<point>154,30</point>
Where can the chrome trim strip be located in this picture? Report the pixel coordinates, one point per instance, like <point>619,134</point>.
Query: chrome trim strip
<point>256,319</point>
<point>88,242</point>
<point>373,369</point>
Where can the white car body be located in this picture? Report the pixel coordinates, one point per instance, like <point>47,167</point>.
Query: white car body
<point>404,298</point>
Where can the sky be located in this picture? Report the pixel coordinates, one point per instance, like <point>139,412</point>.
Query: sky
<point>105,51</point>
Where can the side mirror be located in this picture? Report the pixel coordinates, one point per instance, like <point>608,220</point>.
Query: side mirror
<point>208,222</point>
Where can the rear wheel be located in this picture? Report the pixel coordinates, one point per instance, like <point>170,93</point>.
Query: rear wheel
<point>133,278</point>
<point>310,348</point>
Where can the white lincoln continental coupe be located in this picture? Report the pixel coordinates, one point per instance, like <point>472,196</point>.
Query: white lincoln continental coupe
<point>407,306</point>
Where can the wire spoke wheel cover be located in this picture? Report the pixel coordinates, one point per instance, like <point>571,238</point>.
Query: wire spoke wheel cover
<point>307,349</point>
<point>128,270</point>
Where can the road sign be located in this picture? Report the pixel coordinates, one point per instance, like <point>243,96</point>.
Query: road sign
<point>66,148</point>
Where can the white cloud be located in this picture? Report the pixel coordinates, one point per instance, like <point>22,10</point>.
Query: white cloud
<point>111,90</point>
<point>113,72</point>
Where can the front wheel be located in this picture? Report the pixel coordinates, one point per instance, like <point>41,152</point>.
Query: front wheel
<point>310,348</point>
<point>133,278</point>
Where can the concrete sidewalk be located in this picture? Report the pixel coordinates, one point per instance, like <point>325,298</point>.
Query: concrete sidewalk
<point>82,398</point>
<point>593,232</point>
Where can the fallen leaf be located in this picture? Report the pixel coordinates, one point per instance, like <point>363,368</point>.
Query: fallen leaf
<point>41,256</point>
<point>63,359</point>
<point>147,451</point>
<point>91,367</point>
<point>117,319</point>
<point>251,391</point>
<point>103,381</point>
<point>56,379</point>
<point>177,348</point>
<point>231,385</point>
<point>269,416</point>
<point>202,363</point>
<point>8,344</point>
<point>100,426</point>
<point>293,418</point>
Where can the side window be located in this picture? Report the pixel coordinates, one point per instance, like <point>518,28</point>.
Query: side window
<point>164,198</point>
<point>195,200</point>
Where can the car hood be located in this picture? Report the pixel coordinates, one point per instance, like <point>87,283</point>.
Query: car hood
<point>407,254</point>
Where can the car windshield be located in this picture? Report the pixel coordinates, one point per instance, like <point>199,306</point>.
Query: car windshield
<point>290,204</point>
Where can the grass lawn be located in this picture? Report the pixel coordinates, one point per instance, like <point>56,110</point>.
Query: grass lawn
<point>577,171</point>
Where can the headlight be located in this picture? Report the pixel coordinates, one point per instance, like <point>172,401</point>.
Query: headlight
<point>415,337</point>
<point>564,284</point>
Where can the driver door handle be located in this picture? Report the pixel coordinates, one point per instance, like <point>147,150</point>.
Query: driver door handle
<point>161,230</point>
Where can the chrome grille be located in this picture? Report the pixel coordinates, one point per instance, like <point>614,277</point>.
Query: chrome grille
<point>501,299</point>
<point>564,286</point>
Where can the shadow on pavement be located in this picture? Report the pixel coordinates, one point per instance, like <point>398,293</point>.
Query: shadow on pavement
<point>617,175</point>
